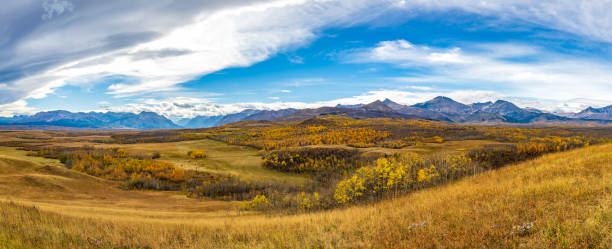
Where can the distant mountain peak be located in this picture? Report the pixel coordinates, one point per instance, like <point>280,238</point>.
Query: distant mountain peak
<point>444,105</point>
<point>603,113</point>
<point>502,107</point>
<point>590,109</point>
<point>439,98</point>
<point>388,101</point>
<point>377,106</point>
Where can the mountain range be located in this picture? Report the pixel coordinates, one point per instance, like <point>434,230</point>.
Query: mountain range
<point>440,108</point>
<point>100,120</point>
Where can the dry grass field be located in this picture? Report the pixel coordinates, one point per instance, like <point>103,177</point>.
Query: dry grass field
<point>560,200</point>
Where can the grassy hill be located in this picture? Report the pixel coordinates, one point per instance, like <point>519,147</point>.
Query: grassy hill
<point>560,200</point>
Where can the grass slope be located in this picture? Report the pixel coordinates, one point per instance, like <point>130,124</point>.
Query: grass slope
<point>565,196</point>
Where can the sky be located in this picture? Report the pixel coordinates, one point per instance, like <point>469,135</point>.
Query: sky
<point>187,58</point>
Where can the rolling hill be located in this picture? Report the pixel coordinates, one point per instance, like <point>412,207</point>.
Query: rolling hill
<point>560,200</point>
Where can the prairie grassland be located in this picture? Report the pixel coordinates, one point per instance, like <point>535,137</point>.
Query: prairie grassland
<point>222,158</point>
<point>561,200</point>
<point>240,161</point>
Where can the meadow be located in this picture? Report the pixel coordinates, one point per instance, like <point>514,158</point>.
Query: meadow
<point>332,182</point>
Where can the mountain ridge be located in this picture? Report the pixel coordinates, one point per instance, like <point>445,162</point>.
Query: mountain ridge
<point>440,108</point>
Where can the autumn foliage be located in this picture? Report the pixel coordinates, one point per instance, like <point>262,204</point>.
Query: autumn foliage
<point>401,173</point>
<point>117,164</point>
<point>196,154</point>
<point>312,160</point>
<point>270,138</point>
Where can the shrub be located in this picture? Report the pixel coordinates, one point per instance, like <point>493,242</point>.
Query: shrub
<point>289,202</point>
<point>394,144</point>
<point>196,154</point>
<point>260,202</point>
<point>434,139</point>
<point>147,183</point>
<point>361,145</point>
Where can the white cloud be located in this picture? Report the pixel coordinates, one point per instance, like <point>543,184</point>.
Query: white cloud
<point>408,54</point>
<point>17,107</point>
<point>488,66</point>
<point>285,91</point>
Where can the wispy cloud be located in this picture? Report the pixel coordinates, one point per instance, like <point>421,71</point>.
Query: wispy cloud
<point>589,18</point>
<point>215,39</point>
<point>56,8</point>
<point>295,59</point>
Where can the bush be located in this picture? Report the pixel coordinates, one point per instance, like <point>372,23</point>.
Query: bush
<point>260,202</point>
<point>361,145</point>
<point>196,154</point>
<point>394,144</point>
<point>289,202</point>
<point>147,183</point>
<point>435,139</point>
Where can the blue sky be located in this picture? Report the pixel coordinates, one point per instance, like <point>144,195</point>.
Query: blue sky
<point>191,58</point>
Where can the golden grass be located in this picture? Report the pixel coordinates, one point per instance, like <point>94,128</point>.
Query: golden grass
<point>566,196</point>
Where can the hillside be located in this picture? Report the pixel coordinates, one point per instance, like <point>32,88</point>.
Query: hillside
<point>560,200</point>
